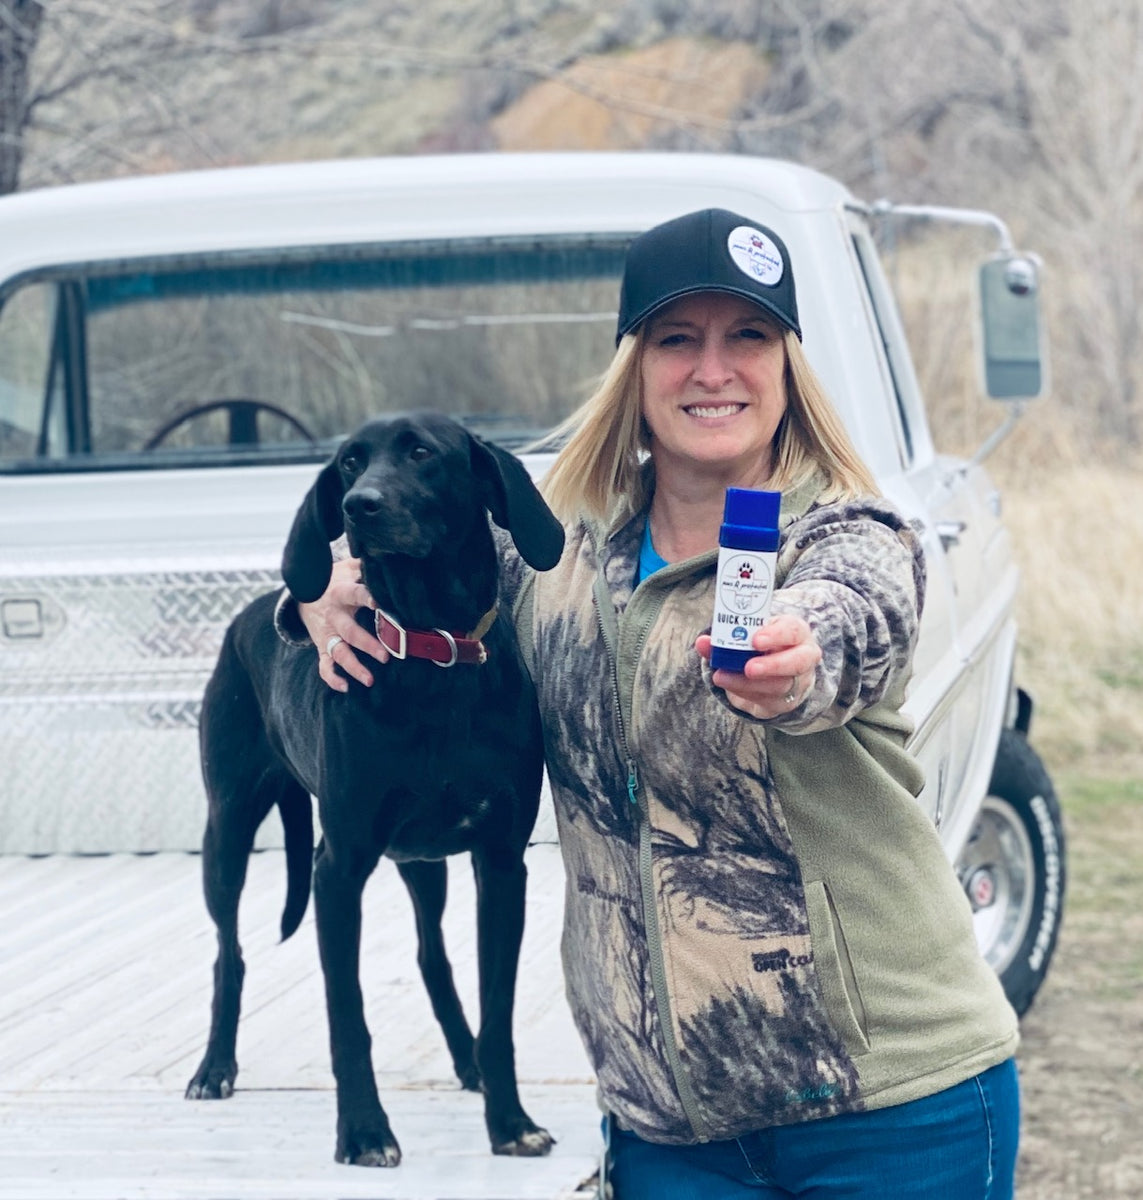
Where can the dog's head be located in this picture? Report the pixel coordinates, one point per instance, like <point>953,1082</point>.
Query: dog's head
<point>409,485</point>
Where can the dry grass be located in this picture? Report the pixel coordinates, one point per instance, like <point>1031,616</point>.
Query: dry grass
<point>1078,535</point>
<point>1081,1055</point>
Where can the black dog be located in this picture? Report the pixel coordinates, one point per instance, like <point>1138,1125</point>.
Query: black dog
<point>428,762</point>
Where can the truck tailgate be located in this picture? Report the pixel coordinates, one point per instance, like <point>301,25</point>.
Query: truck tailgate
<point>104,1013</point>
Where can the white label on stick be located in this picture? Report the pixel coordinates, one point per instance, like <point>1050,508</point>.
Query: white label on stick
<point>744,586</point>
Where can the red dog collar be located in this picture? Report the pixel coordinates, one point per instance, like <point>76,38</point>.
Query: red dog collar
<point>439,646</point>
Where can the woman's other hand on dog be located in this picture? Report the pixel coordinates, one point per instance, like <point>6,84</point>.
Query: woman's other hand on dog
<point>333,616</point>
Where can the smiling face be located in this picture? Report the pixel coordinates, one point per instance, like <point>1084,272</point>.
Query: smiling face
<point>714,392</point>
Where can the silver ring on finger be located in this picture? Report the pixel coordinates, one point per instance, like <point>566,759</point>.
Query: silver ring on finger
<point>333,644</point>
<point>792,694</point>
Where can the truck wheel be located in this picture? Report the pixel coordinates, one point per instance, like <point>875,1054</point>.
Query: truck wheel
<point>1014,869</point>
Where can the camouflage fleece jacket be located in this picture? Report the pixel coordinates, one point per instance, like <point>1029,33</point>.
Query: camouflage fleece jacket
<point>761,926</point>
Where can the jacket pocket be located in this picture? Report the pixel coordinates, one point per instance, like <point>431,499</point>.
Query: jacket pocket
<point>835,970</point>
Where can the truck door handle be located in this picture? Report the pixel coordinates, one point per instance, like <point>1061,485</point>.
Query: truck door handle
<point>942,779</point>
<point>949,532</point>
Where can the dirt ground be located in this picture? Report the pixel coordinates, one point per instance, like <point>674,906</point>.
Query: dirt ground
<point>1082,1053</point>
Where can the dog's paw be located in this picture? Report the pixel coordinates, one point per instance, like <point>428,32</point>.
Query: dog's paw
<point>369,1144</point>
<point>212,1083</point>
<point>530,1141</point>
<point>210,1091</point>
<point>469,1077</point>
<point>387,1156</point>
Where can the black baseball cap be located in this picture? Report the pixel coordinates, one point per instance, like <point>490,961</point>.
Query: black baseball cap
<point>709,251</point>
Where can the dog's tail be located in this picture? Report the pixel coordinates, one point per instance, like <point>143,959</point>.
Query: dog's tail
<point>298,823</point>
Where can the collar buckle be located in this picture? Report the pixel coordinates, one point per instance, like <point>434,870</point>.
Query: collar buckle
<point>382,623</point>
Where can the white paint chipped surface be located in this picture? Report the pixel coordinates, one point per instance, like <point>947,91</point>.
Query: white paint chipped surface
<point>105,965</point>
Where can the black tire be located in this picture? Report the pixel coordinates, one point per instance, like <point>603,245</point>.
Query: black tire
<point>1014,869</point>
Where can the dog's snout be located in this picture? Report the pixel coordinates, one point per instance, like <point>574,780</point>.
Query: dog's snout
<point>362,503</point>
<point>382,516</point>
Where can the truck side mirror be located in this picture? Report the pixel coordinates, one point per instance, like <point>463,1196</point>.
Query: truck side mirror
<point>1012,343</point>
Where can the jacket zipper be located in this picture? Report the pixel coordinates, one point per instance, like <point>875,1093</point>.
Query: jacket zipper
<point>646,874</point>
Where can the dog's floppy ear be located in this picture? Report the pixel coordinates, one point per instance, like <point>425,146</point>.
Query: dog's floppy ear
<point>306,560</point>
<point>516,505</point>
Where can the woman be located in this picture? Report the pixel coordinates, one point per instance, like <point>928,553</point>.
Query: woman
<point>767,953</point>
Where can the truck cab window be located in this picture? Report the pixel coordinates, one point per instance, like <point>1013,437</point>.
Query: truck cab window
<point>271,357</point>
<point>897,361</point>
<point>33,420</point>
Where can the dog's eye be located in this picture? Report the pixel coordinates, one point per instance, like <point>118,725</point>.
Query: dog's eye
<point>420,453</point>
<point>354,460</point>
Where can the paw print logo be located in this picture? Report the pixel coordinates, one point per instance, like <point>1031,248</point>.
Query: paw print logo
<point>745,583</point>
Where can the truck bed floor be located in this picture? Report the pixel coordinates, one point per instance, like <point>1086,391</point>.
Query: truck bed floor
<point>104,1007</point>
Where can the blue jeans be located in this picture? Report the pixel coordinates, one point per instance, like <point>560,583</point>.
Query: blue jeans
<point>957,1145</point>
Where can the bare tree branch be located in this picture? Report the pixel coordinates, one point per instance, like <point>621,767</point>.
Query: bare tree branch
<point>20,22</point>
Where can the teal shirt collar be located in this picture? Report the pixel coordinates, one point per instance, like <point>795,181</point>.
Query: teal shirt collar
<point>650,560</point>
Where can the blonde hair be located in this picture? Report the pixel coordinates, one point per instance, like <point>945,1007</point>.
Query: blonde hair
<point>601,462</point>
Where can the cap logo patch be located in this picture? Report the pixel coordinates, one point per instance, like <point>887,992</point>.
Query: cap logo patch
<point>754,254</point>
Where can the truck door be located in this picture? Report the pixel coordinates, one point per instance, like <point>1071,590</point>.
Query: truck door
<point>971,586</point>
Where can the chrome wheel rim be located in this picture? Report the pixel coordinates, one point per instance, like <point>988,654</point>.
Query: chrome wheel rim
<point>999,851</point>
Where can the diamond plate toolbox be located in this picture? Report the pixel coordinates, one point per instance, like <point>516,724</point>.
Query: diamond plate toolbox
<point>101,681</point>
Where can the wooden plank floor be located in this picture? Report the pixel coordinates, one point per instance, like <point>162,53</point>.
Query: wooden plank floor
<point>105,976</point>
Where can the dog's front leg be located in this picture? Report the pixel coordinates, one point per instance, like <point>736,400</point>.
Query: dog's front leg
<point>363,1134</point>
<point>501,879</point>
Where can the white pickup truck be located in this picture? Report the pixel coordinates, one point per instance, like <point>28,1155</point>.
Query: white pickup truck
<point>178,354</point>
